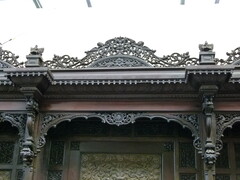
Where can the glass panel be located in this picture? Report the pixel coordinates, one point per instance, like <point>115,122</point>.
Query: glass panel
<point>222,160</point>
<point>5,175</point>
<point>187,177</point>
<point>237,155</point>
<point>56,153</point>
<point>54,175</point>
<point>96,166</point>
<point>222,177</point>
<point>6,152</point>
<point>186,155</point>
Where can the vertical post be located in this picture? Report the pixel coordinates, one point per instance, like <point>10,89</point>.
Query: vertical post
<point>209,126</point>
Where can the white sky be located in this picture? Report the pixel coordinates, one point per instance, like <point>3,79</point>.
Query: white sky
<point>70,27</point>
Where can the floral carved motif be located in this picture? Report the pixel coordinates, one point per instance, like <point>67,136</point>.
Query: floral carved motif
<point>8,59</point>
<point>121,47</point>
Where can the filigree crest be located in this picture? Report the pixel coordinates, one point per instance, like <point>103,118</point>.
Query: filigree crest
<point>121,46</point>
<point>17,120</point>
<point>224,121</point>
<point>8,59</point>
<point>233,58</point>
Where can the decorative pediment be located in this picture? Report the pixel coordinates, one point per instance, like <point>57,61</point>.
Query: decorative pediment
<point>121,52</point>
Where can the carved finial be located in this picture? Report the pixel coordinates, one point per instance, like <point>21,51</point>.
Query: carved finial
<point>206,47</point>
<point>36,51</point>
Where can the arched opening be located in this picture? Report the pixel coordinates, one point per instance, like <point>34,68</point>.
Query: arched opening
<point>10,162</point>
<point>228,163</point>
<point>159,149</point>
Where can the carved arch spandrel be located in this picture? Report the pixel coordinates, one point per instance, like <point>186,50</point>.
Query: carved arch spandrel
<point>224,121</point>
<point>189,121</point>
<point>16,120</point>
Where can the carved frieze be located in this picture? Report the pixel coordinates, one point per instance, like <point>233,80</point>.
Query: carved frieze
<point>189,121</point>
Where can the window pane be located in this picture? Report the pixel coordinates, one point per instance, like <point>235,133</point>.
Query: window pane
<point>6,152</point>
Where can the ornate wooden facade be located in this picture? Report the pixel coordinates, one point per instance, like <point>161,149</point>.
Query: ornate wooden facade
<point>121,112</point>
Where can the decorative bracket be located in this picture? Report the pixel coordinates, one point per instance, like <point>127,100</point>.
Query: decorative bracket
<point>16,120</point>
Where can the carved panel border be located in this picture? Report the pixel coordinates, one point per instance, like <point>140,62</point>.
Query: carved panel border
<point>189,121</point>
<point>17,120</point>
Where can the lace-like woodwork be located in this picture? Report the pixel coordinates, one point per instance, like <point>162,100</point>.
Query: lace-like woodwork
<point>131,54</point>
<point>8,59</point>
<point>233,58</point>
<point>120,166</point>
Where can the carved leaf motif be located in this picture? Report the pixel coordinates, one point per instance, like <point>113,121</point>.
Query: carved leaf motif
<point>118,118</point>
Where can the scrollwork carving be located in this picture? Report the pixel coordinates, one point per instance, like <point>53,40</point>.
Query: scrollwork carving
<point>8,59</point>
<point>17,120</point>
<point>233,58</point>
<point>121,47</point>
<point>224,121</point>
<point>118,118</point>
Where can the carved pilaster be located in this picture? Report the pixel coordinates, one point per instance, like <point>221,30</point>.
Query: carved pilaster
<point>28,151</point>
<point>209,127</point>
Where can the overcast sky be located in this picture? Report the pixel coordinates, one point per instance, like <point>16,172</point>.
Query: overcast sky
<point>70,27</point>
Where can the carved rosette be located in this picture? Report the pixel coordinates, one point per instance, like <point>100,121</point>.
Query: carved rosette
<point>119,118</point>
<point>17,120</point>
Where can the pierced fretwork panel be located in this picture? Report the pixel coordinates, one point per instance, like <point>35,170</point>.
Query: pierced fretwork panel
<point>5,174</point>
<point>222,161</point>
<point>186,155</point>
<point>54,175</point>
<point>96,166</point>
<point>56,153</point>
<point>187,177</point>
<point>222,177</point>
<point>237,155</point>
<point>6,152</point>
